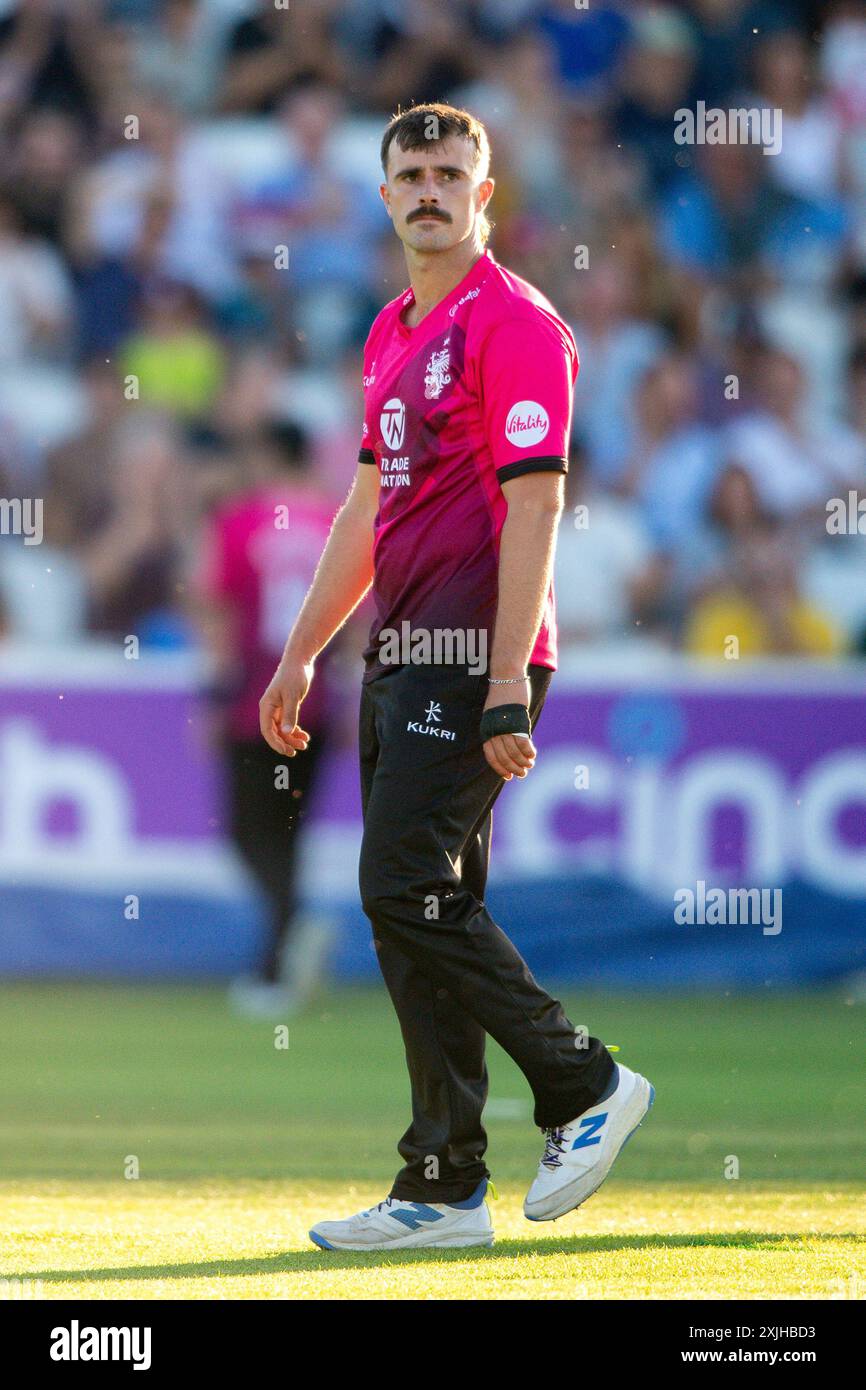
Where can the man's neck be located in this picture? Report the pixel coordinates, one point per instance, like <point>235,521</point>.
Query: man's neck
<point>433,275</point>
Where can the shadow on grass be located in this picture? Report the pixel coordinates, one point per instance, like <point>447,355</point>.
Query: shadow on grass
<point>315,1261</point>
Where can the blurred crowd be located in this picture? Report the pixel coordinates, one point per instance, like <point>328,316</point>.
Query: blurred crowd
<point>192,249</point>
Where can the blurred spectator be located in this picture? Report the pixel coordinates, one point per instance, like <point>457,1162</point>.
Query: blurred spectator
<point>605,572</point>
<point>727,217</point>
<point>423,51</point>
<point>324,217</point>
<point>35,293</point>
<point>616,349</point>
<point>46,53</point>
<point>246,402</point>
<point>43,589</point>
<point>675,459</point>
<point>658,79</point>
<point>589,42</point>
<point>155,203</point>
<point>271,50</point>
<point>727,32</point>
<point>44,159</point>
<point>40,398</point>
<point>732,516</point>
<point>587,196</point>
<point>498,20</point>
<point>795,461</point>
<point>132,559</point>
<point>834,578</point>
<point>843,60</point>
<point>761,607</point>
<point>809,159</point>
<point>161,54</point>
<point>177,361</point>
<point>77,476</point>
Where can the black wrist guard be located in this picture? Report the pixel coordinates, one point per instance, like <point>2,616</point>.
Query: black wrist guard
<point>505,719</point>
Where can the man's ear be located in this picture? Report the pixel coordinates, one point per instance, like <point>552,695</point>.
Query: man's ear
<point>384,195</point>
<point>485,189</point>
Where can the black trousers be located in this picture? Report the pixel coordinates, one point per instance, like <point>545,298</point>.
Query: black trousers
<point>264,823</point>
<point>452,974</point>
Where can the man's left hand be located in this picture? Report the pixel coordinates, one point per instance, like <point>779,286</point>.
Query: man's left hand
<point>510,755</point>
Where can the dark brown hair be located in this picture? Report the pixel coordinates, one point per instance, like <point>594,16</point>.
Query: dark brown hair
<point>430,123</point>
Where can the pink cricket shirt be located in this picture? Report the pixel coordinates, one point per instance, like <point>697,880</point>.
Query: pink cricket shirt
<point>478,393</point>
<point>260,553</point>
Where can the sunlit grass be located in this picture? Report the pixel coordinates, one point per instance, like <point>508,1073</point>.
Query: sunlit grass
<point>240,1146</point>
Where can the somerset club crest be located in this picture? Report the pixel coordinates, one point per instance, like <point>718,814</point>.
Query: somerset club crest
<point>437,374</point>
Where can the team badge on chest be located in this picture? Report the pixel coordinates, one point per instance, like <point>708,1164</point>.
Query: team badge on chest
<point>438,374</point>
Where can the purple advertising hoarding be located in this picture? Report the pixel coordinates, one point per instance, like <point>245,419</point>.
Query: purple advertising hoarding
<point>111,785</point>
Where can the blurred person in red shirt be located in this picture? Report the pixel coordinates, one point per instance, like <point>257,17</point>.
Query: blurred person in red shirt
<point>260,551</point>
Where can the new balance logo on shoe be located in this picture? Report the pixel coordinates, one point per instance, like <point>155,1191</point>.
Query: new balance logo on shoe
<point>396,1224</point>
<point>590,1128</point>
<point>412,1219</point>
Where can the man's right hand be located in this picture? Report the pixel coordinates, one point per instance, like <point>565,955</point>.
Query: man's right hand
<point>278,707</point>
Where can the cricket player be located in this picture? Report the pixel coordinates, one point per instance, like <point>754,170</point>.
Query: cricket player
<point>468,380</point>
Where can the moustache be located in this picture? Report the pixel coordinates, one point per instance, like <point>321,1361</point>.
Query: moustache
<point>428,212</point>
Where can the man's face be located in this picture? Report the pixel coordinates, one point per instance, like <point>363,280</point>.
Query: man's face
<point>434,195</point>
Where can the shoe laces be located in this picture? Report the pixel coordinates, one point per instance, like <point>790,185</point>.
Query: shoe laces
<point>553,1145</point>
<point>378,1207</point>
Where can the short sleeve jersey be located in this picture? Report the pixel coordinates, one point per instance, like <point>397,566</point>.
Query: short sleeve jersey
<point>260,552</point>
<point>479,392</point>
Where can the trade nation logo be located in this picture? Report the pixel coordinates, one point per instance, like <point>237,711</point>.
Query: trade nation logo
<point>392,422</point>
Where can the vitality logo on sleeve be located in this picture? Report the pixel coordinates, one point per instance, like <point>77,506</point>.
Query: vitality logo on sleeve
<point>526,424</point>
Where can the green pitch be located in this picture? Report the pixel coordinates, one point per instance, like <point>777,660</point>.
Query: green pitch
<point>239,1145</point>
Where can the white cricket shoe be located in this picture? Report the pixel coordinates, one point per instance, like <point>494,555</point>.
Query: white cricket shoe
<point>261,999</point>
<point>304,957</point>
<point>399,1225</point>
<point>579,1155</point>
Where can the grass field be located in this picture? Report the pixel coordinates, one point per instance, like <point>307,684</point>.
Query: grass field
<point>240,1146</point>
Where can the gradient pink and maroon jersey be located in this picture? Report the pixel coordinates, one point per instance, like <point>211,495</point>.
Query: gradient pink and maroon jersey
<point>259,556</point>
<point>478,393</point>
